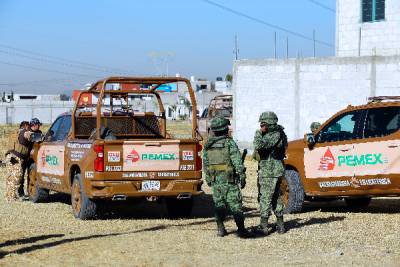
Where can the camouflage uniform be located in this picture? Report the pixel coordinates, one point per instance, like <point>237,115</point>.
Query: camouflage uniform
<point>15,164</point>
<point>224,171</point>
<point>14,168</point>
<point>270,150</point>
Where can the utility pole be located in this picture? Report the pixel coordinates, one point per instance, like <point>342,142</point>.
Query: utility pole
<point>314,43</point>
<point>236,51</point>
<point>287,47</point>
<point>275,45</point>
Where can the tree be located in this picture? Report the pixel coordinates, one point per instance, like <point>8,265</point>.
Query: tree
<point>228,77</point>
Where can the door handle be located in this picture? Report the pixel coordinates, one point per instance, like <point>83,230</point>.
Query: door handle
<point>392,146</point>
<point>152,144</point>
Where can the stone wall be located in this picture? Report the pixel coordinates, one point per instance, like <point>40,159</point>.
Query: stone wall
<point>301,91</point>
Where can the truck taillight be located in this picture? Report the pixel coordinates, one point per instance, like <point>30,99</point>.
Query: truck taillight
<point>199,163</point>
<point>99,161</point>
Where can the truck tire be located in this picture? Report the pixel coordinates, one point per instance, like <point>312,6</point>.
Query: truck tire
<point>359,202</point>
<point>82,207</point>
<point>36,193</point>
<point>292,192</point>
<point>179,208</point>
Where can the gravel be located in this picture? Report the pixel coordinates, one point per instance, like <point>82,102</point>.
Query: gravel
<point>139,234</point>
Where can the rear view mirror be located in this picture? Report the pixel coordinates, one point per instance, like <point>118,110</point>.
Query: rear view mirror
<point>309,139</point>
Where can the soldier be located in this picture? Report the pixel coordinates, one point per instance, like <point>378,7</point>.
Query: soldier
<point>24,125</point>
<point>16,157</point>
<point>224,172</point>
<point>270,143</point>
<point>314,126</point>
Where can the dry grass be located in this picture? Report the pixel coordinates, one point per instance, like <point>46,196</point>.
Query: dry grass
<point>141,235</point>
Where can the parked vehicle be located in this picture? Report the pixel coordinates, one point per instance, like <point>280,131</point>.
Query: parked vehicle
<point>115,146</point>
<point>354,155</point>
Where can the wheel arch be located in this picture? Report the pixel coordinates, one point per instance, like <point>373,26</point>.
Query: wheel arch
<point>73,170</point>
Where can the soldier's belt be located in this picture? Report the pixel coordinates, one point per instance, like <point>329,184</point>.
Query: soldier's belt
<point>219,167</point>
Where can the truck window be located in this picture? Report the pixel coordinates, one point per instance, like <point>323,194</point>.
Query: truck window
<point>342,128</point>
<point>64,129</point>
<point>54,129</point>
<point>382,121</point>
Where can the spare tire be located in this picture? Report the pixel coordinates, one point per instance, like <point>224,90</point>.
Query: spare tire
<point>292,192</point>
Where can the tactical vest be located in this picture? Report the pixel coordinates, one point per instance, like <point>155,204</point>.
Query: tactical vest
<point>219,160</point>
<point>22,146</point>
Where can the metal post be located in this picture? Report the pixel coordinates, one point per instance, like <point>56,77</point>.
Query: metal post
<point>359,41</point>
<point>287,47</point>
<point>236,48</point>
<point>314,42</point>
<point>275,45</point>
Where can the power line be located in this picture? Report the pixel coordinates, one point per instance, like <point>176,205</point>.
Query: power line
<point>39,81</point>
<point>46,70</point>
<point>64,59</point>
<point>322,5</point>
<point>52,61</point>
<point>270,25</point>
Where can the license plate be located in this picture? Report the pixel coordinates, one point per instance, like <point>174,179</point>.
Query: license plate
<point>150,185</point>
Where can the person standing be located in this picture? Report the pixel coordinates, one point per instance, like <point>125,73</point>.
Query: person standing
<point>16,158</point>
<point>270,144</point>
<point>224,171</point>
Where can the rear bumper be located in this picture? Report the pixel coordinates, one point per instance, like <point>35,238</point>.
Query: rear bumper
<point>131,189</point>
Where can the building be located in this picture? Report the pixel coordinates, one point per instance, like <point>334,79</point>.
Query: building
<point>303,90</point>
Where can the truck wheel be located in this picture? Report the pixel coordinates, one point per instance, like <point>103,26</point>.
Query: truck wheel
<point>359,202</point>
<point>82,207</point>
<point>179,208</point>
<point>36,193</point>
<point>292,192</point>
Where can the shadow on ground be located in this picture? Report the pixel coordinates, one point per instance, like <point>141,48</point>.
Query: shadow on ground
<point>377,206</point>
<point>51,244</point>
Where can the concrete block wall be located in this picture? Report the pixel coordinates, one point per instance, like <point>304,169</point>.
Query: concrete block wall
<point>380,38</point>
<point>47,112</point>
<point>301,91</point>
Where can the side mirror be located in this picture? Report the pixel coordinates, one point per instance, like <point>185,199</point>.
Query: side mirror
<point>48,135</point>
<point>309,139</point>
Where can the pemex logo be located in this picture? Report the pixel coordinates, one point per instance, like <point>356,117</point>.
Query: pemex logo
<point>133,156</point>
<point>327,162</point>
<point>43,158</point>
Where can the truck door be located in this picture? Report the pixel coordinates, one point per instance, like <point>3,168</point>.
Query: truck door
<point>51,155</point>
<point>327,161</point>
<point>377,160</point>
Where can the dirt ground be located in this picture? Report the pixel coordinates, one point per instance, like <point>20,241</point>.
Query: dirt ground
<point>140,234</point>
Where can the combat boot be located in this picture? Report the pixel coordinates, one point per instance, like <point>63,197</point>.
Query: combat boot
<point>263,227</point>
<point>220,217</point>
<point>242,231</point>
<point>221,231</point>
<point>280,225</point>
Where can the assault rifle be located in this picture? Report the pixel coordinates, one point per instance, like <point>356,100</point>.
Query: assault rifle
<point>244,154</point>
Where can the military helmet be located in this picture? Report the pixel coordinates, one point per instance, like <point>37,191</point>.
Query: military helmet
<point>268,117</point>
<point>219,124</point>
<point>314,126</point>
<point>35,121</point>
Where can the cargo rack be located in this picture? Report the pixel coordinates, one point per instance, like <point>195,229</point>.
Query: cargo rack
<point>383,98</point>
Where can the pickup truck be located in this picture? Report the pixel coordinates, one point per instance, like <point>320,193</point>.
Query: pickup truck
<point>114,145</point>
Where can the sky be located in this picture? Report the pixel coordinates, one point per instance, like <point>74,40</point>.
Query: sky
<point>55,46</point>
